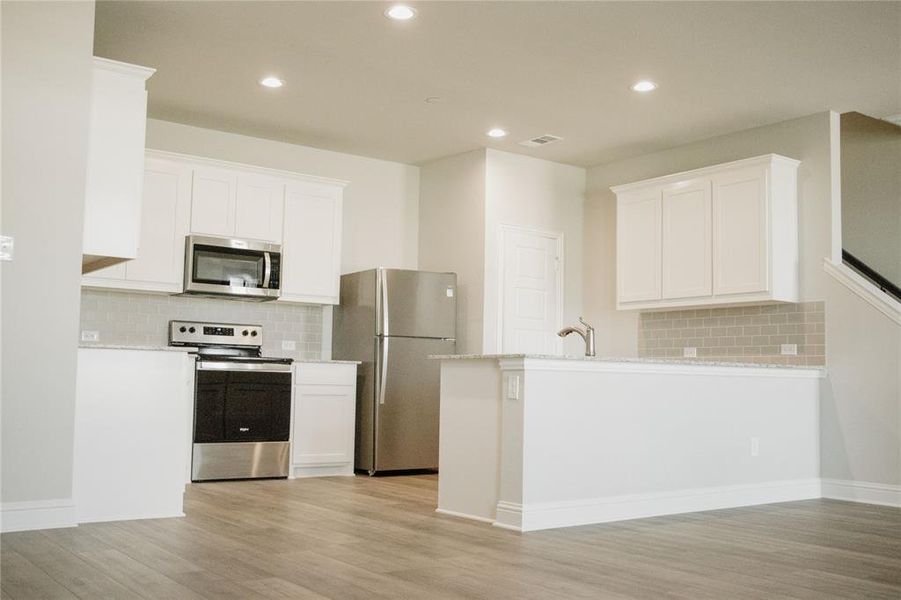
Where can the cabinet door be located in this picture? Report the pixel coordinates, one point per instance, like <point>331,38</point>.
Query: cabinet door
<point>311,247</point>
<point>115,165</point>
<point>259,202</point>
<point>740,232</point>
<point>638,232</point>
<point>686,239</point>
<point>164,225</point>
<point>213,202</point>
<point>165,217</point>
<point>323,425</point>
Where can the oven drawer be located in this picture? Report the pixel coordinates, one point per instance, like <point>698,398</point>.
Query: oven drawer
<point>233,406</point>
<point>249,460</point>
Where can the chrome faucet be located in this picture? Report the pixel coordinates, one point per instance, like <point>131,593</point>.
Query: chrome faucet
<point>587,335</point>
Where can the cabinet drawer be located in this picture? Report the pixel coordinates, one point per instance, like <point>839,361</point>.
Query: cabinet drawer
<point>325,374</point>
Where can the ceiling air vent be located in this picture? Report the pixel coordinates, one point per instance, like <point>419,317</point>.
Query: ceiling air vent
<point>541,140</point>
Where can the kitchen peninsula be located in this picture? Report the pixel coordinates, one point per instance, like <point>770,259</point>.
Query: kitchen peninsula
<point>535,442</point>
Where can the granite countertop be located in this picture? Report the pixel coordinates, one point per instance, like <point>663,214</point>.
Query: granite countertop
<point>194,349</point>
<point>613,359</point>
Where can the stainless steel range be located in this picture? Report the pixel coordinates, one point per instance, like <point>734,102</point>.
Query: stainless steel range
<point>242,402</point>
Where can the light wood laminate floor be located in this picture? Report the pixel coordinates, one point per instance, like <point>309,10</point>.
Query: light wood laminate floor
<point>348,538</point>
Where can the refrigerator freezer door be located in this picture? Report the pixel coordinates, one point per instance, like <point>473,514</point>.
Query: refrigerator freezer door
<point>406,403</point>
<point>417,304</point>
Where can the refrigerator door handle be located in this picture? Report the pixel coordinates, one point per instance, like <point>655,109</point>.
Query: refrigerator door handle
<point>383,371</point>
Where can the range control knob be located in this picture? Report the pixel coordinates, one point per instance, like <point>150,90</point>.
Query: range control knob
<point>244,333</point>
<point>191,330</point>
<point>253,333</point>
<point>182,329</point>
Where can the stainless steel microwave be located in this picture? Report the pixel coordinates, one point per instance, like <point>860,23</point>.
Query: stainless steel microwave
<point>243,269</point>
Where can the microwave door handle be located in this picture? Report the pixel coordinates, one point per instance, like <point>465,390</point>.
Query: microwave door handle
<point>267,269</point>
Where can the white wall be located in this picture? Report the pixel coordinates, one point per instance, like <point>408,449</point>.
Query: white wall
<point>381,203</point>
<point>871,192</point>
<point>538,194</point>
<point>46,87</point>
<point>861,403</point>
<point>464,201</point>
<point>452,235</point>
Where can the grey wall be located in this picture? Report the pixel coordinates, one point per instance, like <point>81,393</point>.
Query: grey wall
<point>142,319</point>
<point>46,86</point>
<point>861,403</point>
<point>871,192</point>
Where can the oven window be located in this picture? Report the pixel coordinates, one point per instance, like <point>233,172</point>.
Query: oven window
<point>228,266</point>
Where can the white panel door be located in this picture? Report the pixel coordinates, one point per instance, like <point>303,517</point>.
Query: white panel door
<point>532,292</point>
<point>638,233</point>
<point>213,202</point>
<point>311,244</point>
<point>686,240</point>
<point>164,225</point>
<point>740,232</point>
<point>259,202</point>
<point>323,425</point>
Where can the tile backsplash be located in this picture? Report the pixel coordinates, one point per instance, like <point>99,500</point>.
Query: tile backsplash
<point>143,319</point>
<point>738,334</point>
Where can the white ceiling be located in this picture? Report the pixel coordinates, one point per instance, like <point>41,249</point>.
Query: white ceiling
<point>357,82</point>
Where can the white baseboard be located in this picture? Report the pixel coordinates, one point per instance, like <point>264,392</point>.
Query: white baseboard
<point>38,514</point>
<point>130,517</point>
<point>301,472</point>
<point>883,494</point>
<point>548,515</point>
<point>453,513</point>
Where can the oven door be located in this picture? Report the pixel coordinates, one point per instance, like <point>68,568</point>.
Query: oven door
<point>242,416</point>
<point>223,266</point>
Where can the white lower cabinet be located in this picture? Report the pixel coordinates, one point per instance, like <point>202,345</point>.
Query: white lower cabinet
<point>322,431</point>
<point>133,411</point>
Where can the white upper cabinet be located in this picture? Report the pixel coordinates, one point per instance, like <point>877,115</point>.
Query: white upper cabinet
<point>686,239</point>
<point>227,203</point>
<point>189,195</point>
<point>259,205</point>
<point>311,247</point>
<point>740,231</point>
<point>165,214</point>
<point>115,165</point>
<point>638,254</point>
<point>726,234</point>
<point>213,201</point>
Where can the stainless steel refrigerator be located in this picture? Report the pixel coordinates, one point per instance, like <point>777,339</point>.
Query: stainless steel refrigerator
<point>392,320</point>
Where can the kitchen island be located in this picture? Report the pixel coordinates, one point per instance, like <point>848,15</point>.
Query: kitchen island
<point>536,442</point>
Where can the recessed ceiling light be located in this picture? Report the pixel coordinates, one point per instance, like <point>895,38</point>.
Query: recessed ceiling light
<point>400,12</point>
<point>497,132</point>
<point>271,82</point>
<point>644,86</point>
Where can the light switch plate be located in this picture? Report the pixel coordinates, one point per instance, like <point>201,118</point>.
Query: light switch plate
<point>789,349</point>
<point>6,247</point>
<point>90,336</point>
<point>289,345</point>
<point>689,352</point>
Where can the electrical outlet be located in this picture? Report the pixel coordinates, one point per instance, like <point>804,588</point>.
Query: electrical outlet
<point>513,387</point>
<point>755,446</point>
<point>289,345</point>
<point>790,349</point>
<point>90,336</point>
<point>689,352</point>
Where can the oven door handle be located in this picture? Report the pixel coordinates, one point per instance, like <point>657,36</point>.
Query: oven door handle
<point>267,269</point>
